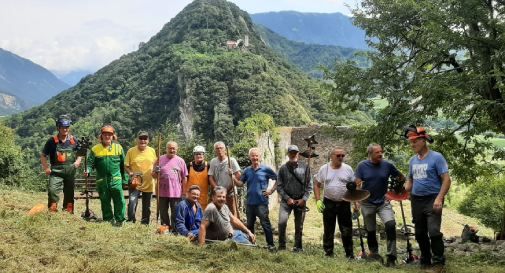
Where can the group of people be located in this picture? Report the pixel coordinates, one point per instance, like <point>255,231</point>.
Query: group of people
<point>182,189</point>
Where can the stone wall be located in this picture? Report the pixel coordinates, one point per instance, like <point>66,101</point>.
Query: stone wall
<point>327,138</point>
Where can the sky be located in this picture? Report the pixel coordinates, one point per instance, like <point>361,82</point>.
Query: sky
<point>71,35</point>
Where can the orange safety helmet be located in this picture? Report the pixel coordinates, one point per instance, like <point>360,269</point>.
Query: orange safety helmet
<point>412,132</point>
<point>108,129</point>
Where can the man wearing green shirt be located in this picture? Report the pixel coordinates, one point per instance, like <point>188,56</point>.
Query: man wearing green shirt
<point>108,160</point>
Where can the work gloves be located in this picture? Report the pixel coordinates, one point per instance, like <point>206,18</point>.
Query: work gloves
<point>320,206</point>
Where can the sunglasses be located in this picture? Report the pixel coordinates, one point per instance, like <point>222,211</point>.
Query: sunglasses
<point>143,138</point>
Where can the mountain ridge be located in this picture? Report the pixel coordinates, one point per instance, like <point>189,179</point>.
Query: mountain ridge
<point>314,28</point>
<point>29,82</point>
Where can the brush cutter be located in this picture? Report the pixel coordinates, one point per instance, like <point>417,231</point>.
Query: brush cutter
<point>397,193</point>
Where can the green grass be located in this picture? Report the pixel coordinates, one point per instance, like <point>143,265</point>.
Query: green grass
<point>65,243</point>
<point>498,142</point>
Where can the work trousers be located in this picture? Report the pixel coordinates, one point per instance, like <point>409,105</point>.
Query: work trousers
<point>427,230</point>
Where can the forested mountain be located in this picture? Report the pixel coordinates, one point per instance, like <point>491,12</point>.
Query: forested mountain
<point>308,57</point>
<point>185,75</point>
<point>24,84</point>
<point>314,28</point>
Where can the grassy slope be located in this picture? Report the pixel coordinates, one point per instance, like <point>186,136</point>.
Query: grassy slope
<point>65,243</point>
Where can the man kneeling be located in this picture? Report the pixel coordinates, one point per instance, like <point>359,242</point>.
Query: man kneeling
<point>219,223</point>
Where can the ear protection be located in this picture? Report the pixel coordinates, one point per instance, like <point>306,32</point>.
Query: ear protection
<point>412,132</point>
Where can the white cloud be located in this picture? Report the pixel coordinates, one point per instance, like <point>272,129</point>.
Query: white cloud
<point>64,35</point>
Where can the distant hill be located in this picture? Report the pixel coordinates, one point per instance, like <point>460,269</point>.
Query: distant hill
<point>308,57</point>
<point>73,77</point>
<point>314,28</point>
<point>29,83</point>
<point>187,76</point>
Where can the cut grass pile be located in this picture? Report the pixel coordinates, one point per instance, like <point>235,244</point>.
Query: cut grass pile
<point>65,243</point>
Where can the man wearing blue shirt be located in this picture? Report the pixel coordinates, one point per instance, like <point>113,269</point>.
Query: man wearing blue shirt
<point>373,175</point>
<point>256,178</point>
<point>428,183</point>
<point>189,214</point>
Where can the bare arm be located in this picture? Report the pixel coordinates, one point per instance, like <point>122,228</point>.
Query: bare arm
<point>317,190</point>
<point>212,181</point>
<point>272,189</point>
<point>45,166</point>
<point>408,185</point>
<point>128,170</point>
<point>359,183</point>
<point>236,179</point>
<point>446,184</point>
<point>203,232</point>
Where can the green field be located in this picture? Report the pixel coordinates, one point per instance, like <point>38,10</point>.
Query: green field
<point>65,243</point>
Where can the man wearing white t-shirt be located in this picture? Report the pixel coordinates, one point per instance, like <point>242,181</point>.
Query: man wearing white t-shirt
<point>333,177</point>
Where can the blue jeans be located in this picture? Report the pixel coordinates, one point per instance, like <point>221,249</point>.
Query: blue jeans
<point>260,211</point>
<point>240,238</point>
<point>146,206</point>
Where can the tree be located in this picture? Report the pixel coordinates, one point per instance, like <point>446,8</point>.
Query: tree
<point>432,59</point>
<point>13,168</point>
<point>486,202</point>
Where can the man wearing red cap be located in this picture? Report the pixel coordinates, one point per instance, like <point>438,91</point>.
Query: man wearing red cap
<point>108,159</point>
<point>428,183</point>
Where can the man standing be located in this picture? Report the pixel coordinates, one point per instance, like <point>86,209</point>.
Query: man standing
<point>428,183</point>
<point>220,174</point>
<point>256,177</point>
<point>173,175</point>
<point>189,214</point>
<point>198,174</point>
<point>139,162</point>
<point>220,224</point>
<point>294,191</point>
<point>334,176</point>
<point>373,175</point>
<point>60,149</point>
<point>108,160</point>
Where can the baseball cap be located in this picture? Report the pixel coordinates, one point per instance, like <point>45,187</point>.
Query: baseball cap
<point>142,133</point>
<point>293,148</point>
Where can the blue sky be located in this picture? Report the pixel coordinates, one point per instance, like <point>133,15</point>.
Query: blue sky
<point>68,35</point>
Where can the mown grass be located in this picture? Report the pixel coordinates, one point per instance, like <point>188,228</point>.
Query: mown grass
<point>65,243</point>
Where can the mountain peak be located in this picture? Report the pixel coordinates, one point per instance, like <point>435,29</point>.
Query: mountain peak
<point>210,22</point>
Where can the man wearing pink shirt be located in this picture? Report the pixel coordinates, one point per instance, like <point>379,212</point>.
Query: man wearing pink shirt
<point>173,172</point>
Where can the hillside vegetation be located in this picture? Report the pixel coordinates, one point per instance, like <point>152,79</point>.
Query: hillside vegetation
<point>185,75</point>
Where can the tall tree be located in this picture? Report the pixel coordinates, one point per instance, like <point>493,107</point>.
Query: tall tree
<point>432,60</point>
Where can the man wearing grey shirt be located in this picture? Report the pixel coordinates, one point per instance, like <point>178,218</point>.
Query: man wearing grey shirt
<point>219,223</point>
<point>294,190</point>
<point>220,174</point>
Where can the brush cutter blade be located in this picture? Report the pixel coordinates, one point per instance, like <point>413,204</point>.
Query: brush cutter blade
<point>356,195</point>
<point>391,195</point>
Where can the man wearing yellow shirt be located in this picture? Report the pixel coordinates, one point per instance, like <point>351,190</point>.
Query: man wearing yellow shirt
<point>139,162</point>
